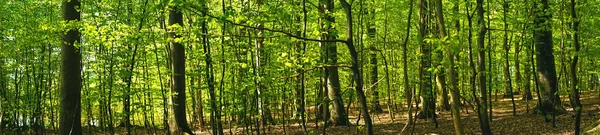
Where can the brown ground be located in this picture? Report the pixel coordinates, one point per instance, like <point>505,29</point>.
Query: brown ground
<point>503,122</point>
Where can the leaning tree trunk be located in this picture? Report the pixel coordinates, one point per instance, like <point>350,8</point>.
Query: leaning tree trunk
<point>355,70</point>
<point>70,87</point>
<point>177,56</point>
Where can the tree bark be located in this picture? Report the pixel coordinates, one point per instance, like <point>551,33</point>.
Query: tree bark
<point>338,115</point>
<point>483,117</point>
<point>546,70</point>
<point>407,92</point>
<point>428,110</point>
<point>455,106</point>
<point>574,79</point>
<point>177,56</point>
<point>70,97</point>
<point>508,83</point>
<point>371,32</point>
<point>376,107</point>
<point>355,68</point>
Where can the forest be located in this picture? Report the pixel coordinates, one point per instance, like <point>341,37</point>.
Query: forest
<point>74,67</point>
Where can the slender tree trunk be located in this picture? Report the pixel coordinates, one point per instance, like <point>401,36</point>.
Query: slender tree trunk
<point>527,70</point>
<point>407,92</point>
<point>508,83</point>
<point>574,79</point>
<point>483,117</point>
<point>214,110</point>
<point>3,96</point>
<point>374,80</point>
<point>451,70</point>
<point>70,103</point>
<point>355,68</point>
<point>371,32</point>
<point>390,101</point>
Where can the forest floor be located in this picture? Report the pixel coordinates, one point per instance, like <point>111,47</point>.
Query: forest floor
<point>503,123</point>
<point>525,123</point>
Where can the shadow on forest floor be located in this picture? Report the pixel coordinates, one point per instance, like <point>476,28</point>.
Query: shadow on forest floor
<point>503,121</point>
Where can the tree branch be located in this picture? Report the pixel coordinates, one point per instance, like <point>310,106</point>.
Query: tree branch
<point>193,10</point>
<point>314,68</point>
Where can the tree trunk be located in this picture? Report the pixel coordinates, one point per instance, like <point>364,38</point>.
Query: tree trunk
<point>574,78</point>
<point>215,116</point>
<point>177,56</point>
<point>338,115</point>
<point>508,83</point>
<point>546,70</point>
<point>428,110</point>
<point>527,71</point>
<point>376,107</point>
<point>355,68</point>
<point>407,92</point>
<point>200,105</point>
<point>455,106</point>
<point>70,103</point>
<point>371,32</point>
<point>483,117</point>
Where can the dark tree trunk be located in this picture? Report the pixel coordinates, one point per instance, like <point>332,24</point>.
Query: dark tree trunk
<point>215,115</point>
<point>355,68</point>
<point>374,80</point>
<point>507,78</point>
<point>483,117</point>
<point>527,71</point>
<point>371,32</point>
<point>70,103</point>
<point>574,78</point>
<point>427,96</point>
<point>407,92</point>
<point>338,115</point>
<point>177,56</point>
<point>545,65</point>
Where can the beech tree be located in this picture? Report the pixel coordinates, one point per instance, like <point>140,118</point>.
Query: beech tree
<point>70,87</point>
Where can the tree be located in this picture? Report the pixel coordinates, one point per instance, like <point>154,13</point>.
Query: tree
<point>338,115</point>
<point>372,32</point>
<point>426,90</point>
<point>407,92</point>
<point>545,65</point>
<point>508,83</point>
<point>574,79</point>
<point>355,68</point>
<point>483,118</point>
<point>451,69</point>
<point>215,113</point>
<point>177,56</point>
<point>70,87</point>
